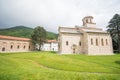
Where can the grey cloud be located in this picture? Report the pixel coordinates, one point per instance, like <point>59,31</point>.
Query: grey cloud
<point>54,13</point>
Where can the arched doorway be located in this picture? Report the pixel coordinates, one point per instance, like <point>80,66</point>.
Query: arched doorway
<point>4,46</point>
<point>74,51</point>
<point>3,49</point>
<point>74,47</point>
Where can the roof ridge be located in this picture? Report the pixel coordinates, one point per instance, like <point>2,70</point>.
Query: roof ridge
<point>14,38</point>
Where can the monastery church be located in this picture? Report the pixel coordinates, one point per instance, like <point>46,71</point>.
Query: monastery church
<point>85,39</point>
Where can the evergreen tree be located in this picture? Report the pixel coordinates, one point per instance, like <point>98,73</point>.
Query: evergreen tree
<point>114,29</point>
<point>39,36</point>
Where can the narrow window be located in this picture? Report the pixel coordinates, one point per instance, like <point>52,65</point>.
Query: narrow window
<point>29,47</point>
<point>86,21</point>
<point>96,42</point>
<point>24,47</point>
<point>11,46</point>
<point>18,46</point>
<point>102,42</point>
<point>67,43</point>
<point>91,41</point>
<point>53,49</point>
<point>106,42</point>
<point>80,43</point>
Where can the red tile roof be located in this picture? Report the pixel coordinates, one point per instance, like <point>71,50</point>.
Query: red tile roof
<point>52,41</point>
<point>14,38</point>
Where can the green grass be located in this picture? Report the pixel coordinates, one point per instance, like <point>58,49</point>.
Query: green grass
<point>51,66</point>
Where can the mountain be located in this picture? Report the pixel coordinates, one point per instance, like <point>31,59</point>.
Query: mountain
<point>22,31</point>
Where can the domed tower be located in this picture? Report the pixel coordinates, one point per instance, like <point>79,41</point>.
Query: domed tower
<point>88,22</point>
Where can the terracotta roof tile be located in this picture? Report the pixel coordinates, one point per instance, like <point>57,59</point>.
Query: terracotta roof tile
<point>14,38</point>
<point>52,41</point>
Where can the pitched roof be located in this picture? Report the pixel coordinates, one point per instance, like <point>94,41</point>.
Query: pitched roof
<point>52,41</point>
<point>14,38</point>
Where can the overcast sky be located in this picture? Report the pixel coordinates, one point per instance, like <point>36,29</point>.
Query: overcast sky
<point>54,13</point>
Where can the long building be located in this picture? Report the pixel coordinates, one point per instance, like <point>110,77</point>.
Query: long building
<point>15,44</point>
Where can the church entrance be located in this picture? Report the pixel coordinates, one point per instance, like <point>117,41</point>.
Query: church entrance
<point>74,51</point>
<point>74,47</point>
<point>3,49</point>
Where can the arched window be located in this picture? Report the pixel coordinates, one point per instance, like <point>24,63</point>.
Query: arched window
<point>102,43</point>
<point>106,42</point>
<point>91,41</point>
<point>4,44</point>
<point>96,42</point>
<point>11,46</point>
<point>3,49</point>
<point>67,43</point>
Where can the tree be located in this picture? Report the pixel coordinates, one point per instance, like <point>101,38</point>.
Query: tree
<point>39,36</point>
<point>114,29</point>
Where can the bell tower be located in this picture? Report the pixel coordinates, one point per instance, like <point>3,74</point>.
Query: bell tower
<point>88,22</point>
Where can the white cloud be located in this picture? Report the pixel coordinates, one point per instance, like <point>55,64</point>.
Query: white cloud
<point>54,13</point>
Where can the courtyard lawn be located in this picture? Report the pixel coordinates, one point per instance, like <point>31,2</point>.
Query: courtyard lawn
<point>51,66</point>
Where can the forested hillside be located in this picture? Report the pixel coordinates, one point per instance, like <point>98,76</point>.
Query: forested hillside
<point>22,31</point>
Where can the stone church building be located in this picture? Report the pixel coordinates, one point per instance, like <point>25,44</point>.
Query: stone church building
<point>85,39</point>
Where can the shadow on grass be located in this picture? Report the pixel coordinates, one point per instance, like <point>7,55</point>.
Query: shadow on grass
<point>53,52</point>
<point>118,62</point>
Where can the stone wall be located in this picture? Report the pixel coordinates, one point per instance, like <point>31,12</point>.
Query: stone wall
<point>68,40</point>
<point>15,46</point>
<point>99,44</point>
